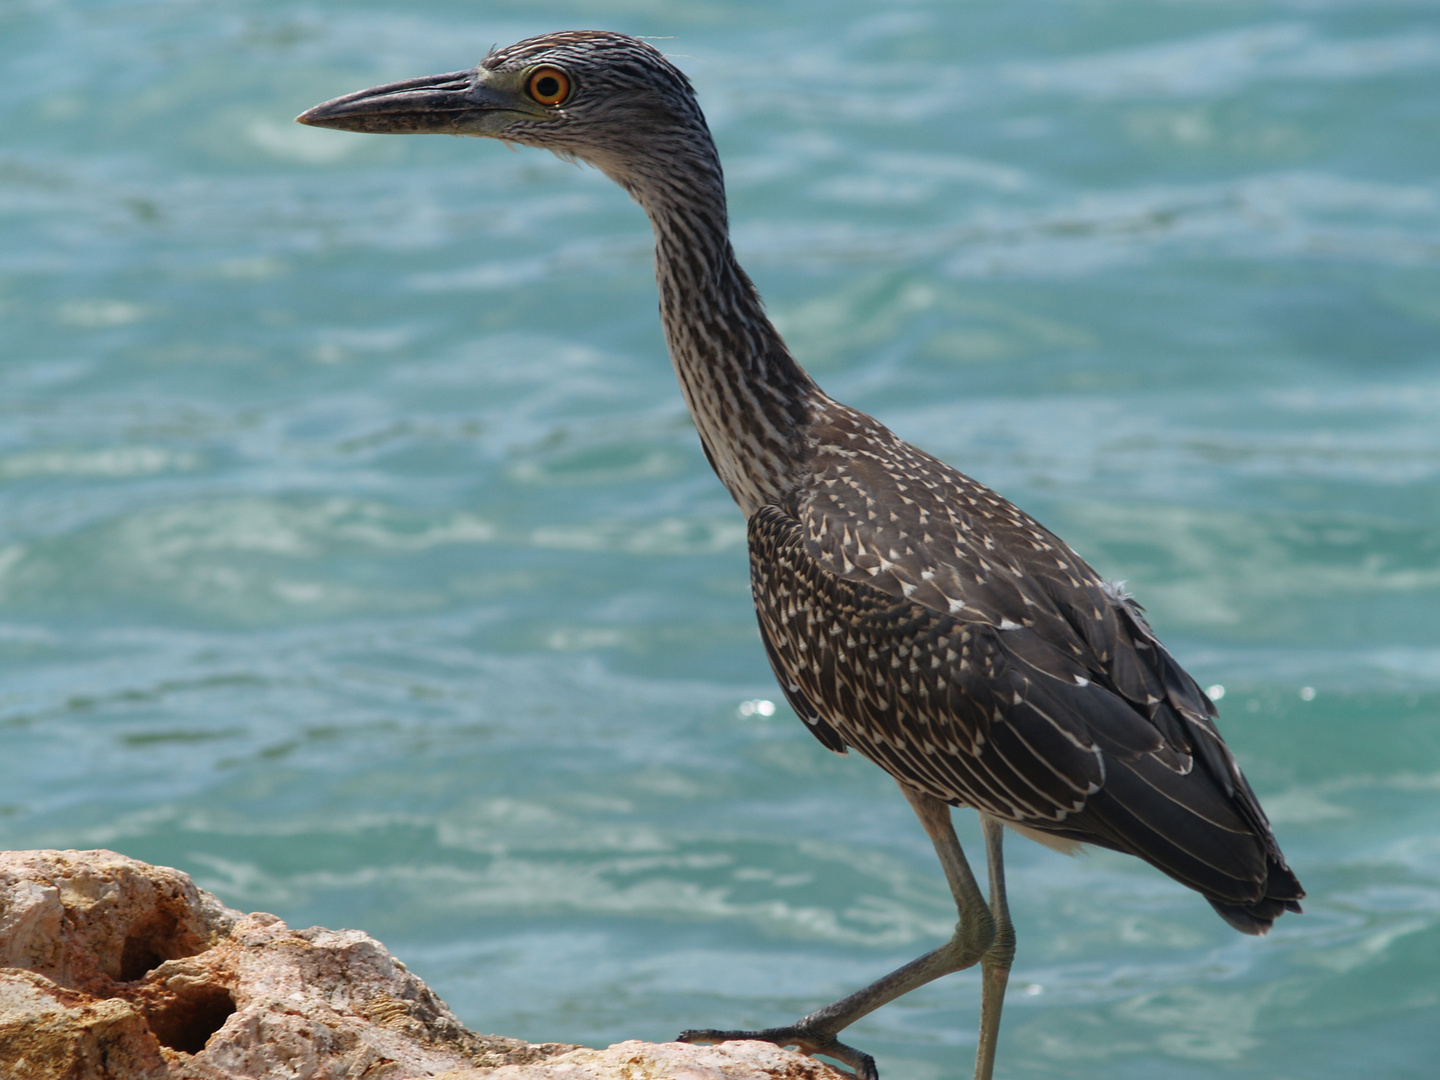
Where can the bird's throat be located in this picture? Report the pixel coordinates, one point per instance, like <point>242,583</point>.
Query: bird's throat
<point>751,402</point>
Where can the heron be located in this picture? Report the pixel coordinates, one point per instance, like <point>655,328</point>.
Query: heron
<point>907,611</point>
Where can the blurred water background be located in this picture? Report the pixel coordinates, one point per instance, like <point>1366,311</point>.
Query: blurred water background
<point>357,555</point>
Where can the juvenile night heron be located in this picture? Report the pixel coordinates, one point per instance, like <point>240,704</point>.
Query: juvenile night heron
<point>907,610</point>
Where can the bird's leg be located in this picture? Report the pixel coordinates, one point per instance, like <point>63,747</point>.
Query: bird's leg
<point>995,964</point>
<point>975,933</point>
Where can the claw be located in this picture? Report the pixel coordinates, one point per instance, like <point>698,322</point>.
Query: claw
<point>805,1040</point>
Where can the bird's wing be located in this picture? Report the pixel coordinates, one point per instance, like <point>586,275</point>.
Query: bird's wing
<point>942,702</point>
<point>881,512</point>
<point>995,718</point>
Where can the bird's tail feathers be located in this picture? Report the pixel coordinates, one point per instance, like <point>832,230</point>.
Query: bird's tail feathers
<point>1282,894</point>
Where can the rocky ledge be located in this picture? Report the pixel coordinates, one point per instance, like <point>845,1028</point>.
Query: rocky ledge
<point>112,969</point>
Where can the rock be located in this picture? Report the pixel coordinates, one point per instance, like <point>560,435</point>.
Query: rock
<point>112,969</point>
<point>674,1061</point>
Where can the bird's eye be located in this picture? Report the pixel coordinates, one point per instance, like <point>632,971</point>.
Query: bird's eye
<point>548,85</point>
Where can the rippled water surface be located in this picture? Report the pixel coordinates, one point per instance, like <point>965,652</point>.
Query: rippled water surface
<point>358,557</point>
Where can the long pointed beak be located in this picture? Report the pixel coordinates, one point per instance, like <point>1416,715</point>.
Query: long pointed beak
<point>453,104</point>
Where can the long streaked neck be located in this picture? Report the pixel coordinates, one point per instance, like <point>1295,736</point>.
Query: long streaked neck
<point>750,400</point>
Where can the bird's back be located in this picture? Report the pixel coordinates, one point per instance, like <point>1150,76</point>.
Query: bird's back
<point>915,615</point>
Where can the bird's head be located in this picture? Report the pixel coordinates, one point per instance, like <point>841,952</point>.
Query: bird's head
<point>605,98</point>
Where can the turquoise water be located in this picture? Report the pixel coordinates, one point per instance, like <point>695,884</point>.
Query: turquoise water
<point>357,555</point>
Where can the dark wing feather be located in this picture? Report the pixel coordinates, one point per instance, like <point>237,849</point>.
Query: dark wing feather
<point>972,655</point>
<point>828,736</point>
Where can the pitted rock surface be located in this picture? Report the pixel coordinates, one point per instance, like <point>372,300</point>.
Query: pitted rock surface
<point>112,969</point>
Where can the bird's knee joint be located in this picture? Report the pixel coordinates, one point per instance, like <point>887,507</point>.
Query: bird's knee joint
<point>1001,953</point>
<point>1005,937</point>
<point>977,933</point>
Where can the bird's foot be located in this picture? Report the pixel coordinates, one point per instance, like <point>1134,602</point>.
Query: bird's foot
<point>807,1040</point>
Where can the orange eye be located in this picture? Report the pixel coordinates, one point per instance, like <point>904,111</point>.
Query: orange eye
<point>548,85</point>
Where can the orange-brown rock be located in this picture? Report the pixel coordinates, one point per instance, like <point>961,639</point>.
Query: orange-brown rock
<point>112,969</point>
